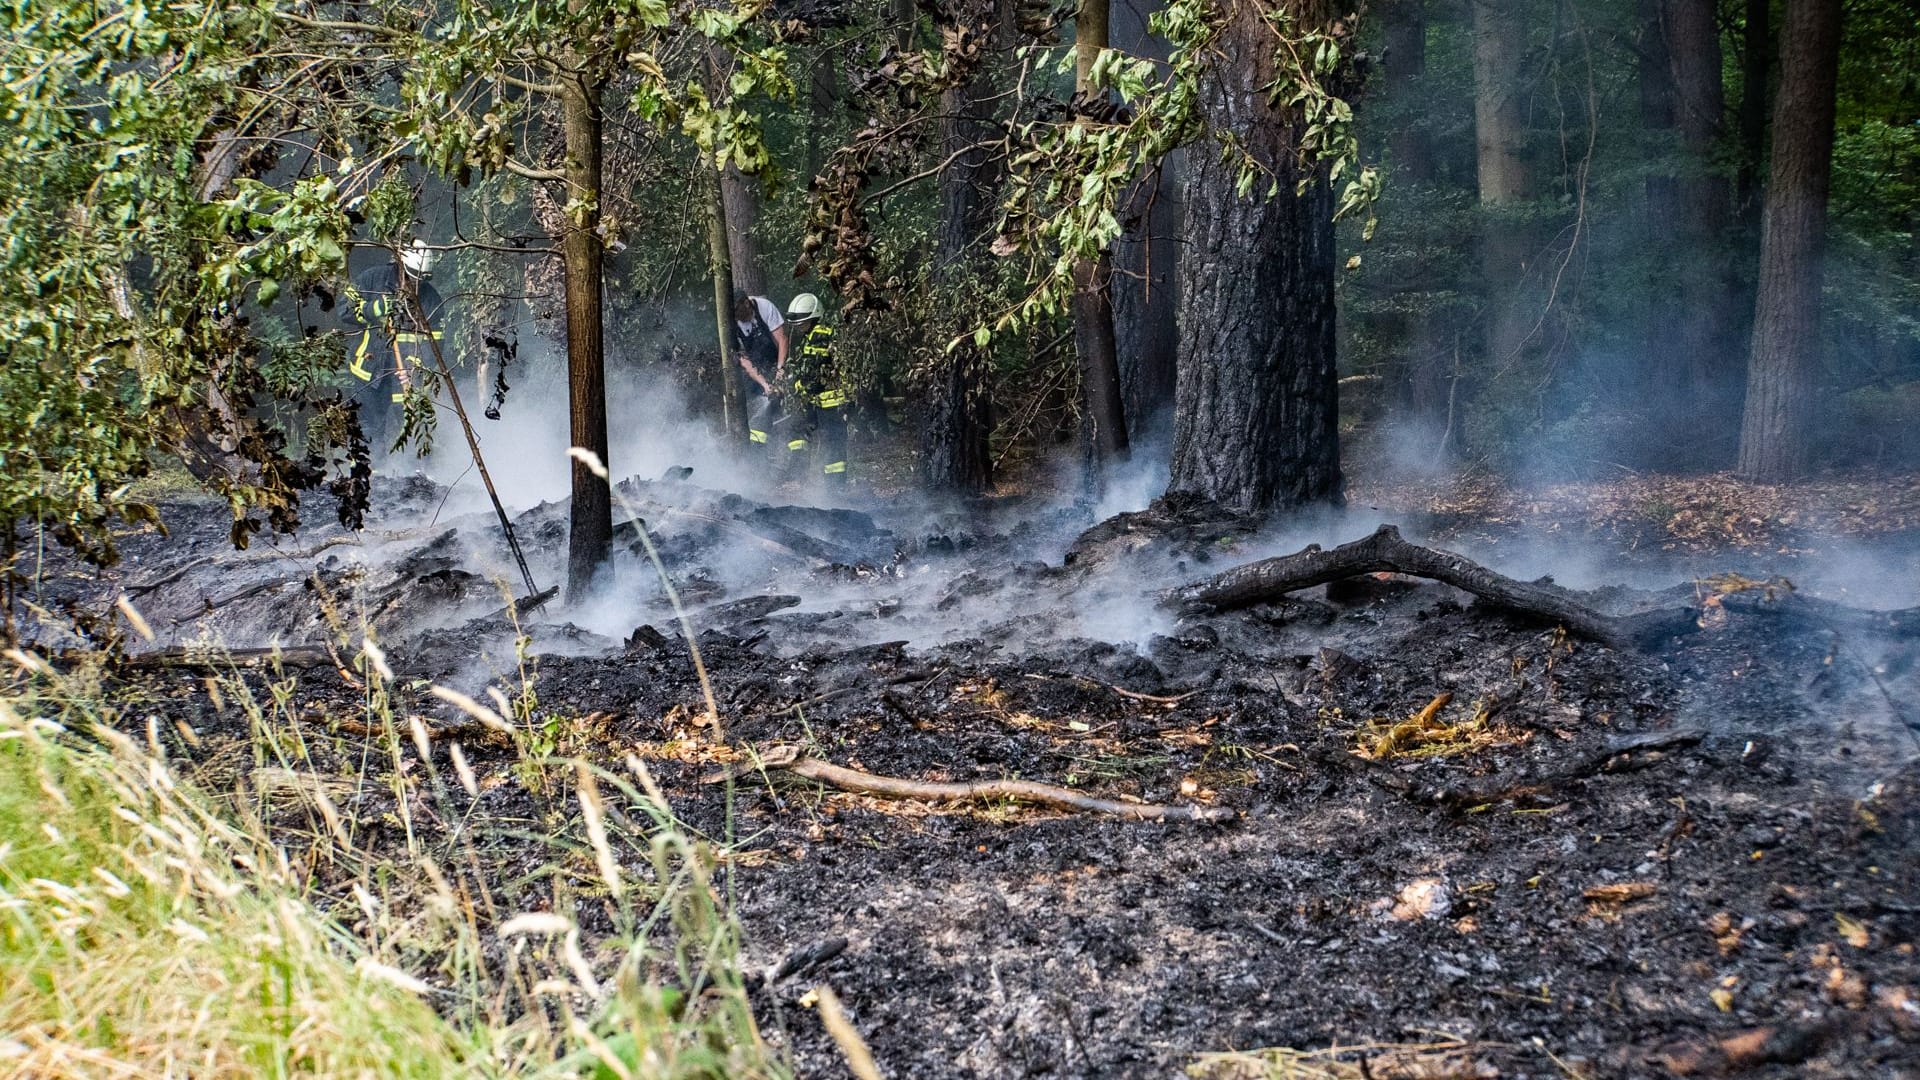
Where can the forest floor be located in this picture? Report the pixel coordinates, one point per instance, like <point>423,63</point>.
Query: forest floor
<point>1738,898</point>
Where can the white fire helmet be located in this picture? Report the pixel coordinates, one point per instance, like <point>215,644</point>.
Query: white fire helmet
<point>805,306</point>
<point>419,258</point>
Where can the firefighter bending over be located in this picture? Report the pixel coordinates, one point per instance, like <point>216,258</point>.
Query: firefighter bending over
<point>391,341</point>
<point>760,346</point>
<point>819,395</point>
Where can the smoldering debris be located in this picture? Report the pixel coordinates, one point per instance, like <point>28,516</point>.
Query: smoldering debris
<point>1755,765</point>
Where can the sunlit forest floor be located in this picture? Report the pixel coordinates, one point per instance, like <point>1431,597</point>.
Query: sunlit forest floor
<point>1712,513</point>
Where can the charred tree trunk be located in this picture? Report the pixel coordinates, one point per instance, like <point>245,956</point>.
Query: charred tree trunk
<point>959,411</point>
<point>1145,281</point>
<point>1256,416</point>
<point>1103,417</point>
<point>590,535</point>
<point>1505,173</point>
<point>1775,432</point>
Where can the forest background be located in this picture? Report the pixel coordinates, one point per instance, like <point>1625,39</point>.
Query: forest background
<point>1572,239</point>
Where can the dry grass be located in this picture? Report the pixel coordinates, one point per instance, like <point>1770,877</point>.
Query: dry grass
<point>1425,734</point>
<point>147,931</point>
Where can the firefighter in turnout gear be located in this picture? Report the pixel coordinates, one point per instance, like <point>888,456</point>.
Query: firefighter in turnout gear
<point>818,391</point>
<point>760,347</point>
<point>391,342</point>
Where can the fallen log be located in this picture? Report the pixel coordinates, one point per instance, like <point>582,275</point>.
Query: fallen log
<point>789,759</point>
<point>1386,552</point>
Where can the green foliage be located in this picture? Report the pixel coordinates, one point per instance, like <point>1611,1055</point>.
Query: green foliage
<point>124,282</point>
<point>1068,174</point>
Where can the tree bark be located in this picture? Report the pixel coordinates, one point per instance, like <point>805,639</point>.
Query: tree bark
<point>1103,417</point>
<point>743,211</point>
<point>741,202</point>
<point>1145,281</point>
<point>1755,62</point>
<point>955,442</point>
<point>905,21</point>
<point>822,94</point>
<point>1419,371</point>
<point>1505,173</point>
<point>1384,552</point>
<point>1784,358</point>
<point>733,414</point>
<point>1411,145</point>
<point>1688,348</point>
<point>590,535</point>
<point>1704,375</point>
<point>1256,408</point>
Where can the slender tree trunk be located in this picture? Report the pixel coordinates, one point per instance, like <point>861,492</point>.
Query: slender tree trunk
<point>1103,417</point>
<point>1505,173</point>
<point>743,212</point>
<point>822,94</point>
<point>959,421</point>
<point>1419,377</point>
<point>1703,335</point>
<point>733,414</point>
<point>590,536</point>
<point>737,192</point>
<point>905,20</point>
<point>1661,379</point>
<point>1256,417</point>
<point>1756,62</point>
<point>1145,280</point>
<point>1781,368</point>
<point>1410,144</point>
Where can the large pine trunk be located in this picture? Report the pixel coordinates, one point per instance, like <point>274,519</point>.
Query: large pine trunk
<point>1256,417</point>
<point>590,535</point>
<point>1103,417</point>
<point>1781,367</point>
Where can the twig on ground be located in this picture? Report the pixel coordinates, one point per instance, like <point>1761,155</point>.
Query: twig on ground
<point>789,759</point>
<point>183,570</point>
<point>1157,699</point>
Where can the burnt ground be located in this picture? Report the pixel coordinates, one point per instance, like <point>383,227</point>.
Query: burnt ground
<point>1744,900</point>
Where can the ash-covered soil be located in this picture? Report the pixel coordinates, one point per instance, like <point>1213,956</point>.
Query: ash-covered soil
<point>1692,857</point>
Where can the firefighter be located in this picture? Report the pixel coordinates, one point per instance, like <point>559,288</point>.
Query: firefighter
<point>760,346</point>
<point>818,388</point>
<point>391,341</point>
